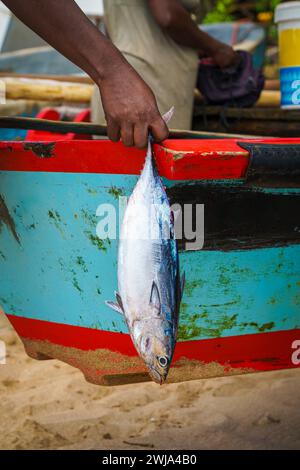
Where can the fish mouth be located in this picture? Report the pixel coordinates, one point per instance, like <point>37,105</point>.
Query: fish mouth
<point>156,376</point>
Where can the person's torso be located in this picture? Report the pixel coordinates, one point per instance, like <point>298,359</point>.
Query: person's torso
<point>133,29</point>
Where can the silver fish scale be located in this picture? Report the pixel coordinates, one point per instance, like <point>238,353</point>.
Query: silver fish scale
<point>148,272</point>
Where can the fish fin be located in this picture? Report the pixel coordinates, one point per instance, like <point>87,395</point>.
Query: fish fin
<point>119,300</point>
<point>180,288</point>
<point>114,306</point>
<point>182,284</point>
<point>168,115</point>
<point>155,297</point>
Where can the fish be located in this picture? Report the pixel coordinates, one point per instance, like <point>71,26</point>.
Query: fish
<point>150,287</point>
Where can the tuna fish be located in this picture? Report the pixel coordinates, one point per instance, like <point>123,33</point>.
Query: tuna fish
<point>150,288</point>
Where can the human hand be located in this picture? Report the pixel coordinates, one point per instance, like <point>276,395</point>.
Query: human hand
<point>130,107</point>
<point>224,56</point>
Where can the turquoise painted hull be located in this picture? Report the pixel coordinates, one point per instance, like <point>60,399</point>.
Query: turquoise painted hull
<point>73,272</point>
<point>241,304</point>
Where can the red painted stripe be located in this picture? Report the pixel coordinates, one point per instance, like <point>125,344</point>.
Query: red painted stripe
<point>176,159</point>
<point>262,351</point>
<point>72,157</point>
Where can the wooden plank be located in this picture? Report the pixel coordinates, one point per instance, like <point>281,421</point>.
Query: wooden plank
<point>272,84</point>
<point>8,122</point>
<point>60,78</point>
<point>263,121</point>
<point>265,113</point>
<point>258,127</point>
<point>269,98</point>
<point>47,90</point>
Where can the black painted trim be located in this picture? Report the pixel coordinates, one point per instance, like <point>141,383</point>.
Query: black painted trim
<point>238,218</point>
<point>273,162</point>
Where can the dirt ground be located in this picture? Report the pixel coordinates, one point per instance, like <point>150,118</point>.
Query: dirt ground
<point>48,405</point>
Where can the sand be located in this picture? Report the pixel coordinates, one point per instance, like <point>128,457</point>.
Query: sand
<point>48,405</point>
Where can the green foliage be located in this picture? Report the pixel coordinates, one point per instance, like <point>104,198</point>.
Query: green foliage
<point>266,5</point>
<point>221,12</point>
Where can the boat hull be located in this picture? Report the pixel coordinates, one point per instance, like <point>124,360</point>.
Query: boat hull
<point>241,306</point>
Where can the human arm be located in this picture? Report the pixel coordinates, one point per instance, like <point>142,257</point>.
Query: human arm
<point>129,104</point>
<point>173,18</point>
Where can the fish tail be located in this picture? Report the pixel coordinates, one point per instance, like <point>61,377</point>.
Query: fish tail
<point>150,162</point>
<point>149,148</point>
<point>149,156</point>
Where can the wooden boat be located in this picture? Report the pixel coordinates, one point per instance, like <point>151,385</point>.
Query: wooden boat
<point>23,51</point>
<point>268,120</point>
<point>15,35</point>
<point>241,306</point>
<point>41,59</point>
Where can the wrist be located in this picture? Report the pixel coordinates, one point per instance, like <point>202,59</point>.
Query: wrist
<point>213,47</point>
<point>105,61</point>
<point>208,45</point>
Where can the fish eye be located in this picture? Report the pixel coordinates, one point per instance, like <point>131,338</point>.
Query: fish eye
<point>163,361</point>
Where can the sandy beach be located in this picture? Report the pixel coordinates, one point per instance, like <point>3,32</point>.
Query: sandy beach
<point>48,405</point>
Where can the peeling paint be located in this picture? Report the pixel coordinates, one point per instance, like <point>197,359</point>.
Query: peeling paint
<point>266,327</point>
<point>54,215</point>
<point>71,273</point>
<point>89,218</point>
<point>98,242</point>
<point>224,304</point>
<point>80,261</point>
<point>7,304</point>
<point>57,220</point>
<point>189,327</point>
<point>207,325</point>
<point>223,153</point>
<point>178,155</point>
<point>75,281</point>
<point>218,285</point>
<point>191,285</point>
<point>296,300</point>
<point>9,148</point>
<point>6,218</point>
<point>223,323</point>
<point>260,328</point>
<point>116,192</point>
<point>92,191</point>
<point>40,149</point>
